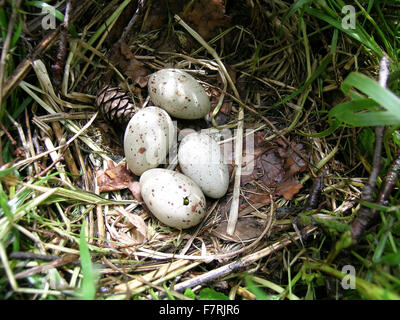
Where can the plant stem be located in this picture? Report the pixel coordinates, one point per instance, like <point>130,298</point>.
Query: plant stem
<point>365,215</point>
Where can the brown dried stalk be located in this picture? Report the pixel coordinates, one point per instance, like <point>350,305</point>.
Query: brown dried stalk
<point>58,67</point>
<point>240,263</point>
<point>365,215</point>
<point>6,45</point>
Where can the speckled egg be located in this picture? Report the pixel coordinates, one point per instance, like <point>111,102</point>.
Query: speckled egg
<point>201,159</point>
<point>173,198</point>
<point>179,94</point>
<point>148,138</point>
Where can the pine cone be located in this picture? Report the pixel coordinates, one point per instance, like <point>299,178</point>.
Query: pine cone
<point>115,105</point>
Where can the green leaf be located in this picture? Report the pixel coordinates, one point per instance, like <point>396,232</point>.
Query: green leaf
<point>188,7</point>
<point>392,259</point>
<point>257,291</point>
<point>332,224</point>
<point>362,111</point>
<point>88,287</point>
<point>211,294</point>
<point>374,90</point>
<point>153,294</point>
<point>393,77</point>
<point>366,141</point>
<point>396,138</point>
<point>189,293</point>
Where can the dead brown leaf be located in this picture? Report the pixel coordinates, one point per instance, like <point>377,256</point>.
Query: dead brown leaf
<point>247,229</point>
<point>125,60</point>
<point>114,178</point>
<point>273,164</point>
<point>257,198</point>
<point>206,16</point>
<point>289,188</point>
<point>253,199</point>
<point>293,162</point>
<point>126,227</point>
<point>134,187</point>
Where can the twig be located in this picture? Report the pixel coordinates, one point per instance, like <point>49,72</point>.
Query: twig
<point>239,264</point>
<point>315,192</point>
<point>58,67</point>
<point>54,264</point>
<point>234,210</point>
<point>163,272</point>
<point>68,158</point>
<point>389,182</point>
<point>127,29</point>
<point>6,46</point>
<point>8,134</point>
<point>25,65</point>
<point>6,267</point>
<point>100,217</point>
<point>198,229</point>
<point>3,62</point>
<point>365,215</point>
<point>21,255</point>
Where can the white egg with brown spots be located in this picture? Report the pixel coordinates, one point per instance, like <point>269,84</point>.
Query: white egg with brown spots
<point>180,94</point>
<point>201,159</point>
<point>148,138</point>
<point>173,198</point>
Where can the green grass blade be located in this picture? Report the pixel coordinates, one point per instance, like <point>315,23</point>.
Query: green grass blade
<point>358,33</point>
<point>88,287</point>
<point>324,133</point>
<point>369,290</point>
<point>4,204</point>
<point>17,33</point>
<point>315,75</point>
<point>3,23</point>
<point>256,290</point>
<point>295,7</point>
